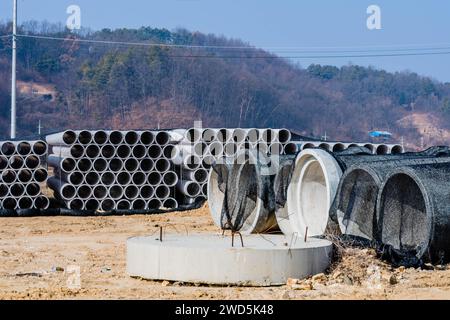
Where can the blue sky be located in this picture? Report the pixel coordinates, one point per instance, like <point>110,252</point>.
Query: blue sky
<point>276,23</point>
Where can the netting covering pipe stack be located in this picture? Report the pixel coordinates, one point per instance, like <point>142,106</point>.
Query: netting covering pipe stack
<point>23,170</point>
<point>355,204</point>
<point>113,170</point>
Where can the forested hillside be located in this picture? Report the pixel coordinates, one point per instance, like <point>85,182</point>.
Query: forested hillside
<point>101,85</point>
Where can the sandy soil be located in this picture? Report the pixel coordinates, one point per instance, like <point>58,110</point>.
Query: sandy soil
<point>35,252</point>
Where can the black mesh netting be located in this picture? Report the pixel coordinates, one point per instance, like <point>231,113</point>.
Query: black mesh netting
<point>247,185</point>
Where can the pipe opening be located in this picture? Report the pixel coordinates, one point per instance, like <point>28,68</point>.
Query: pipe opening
<point>108,151</point>
<point>8,148</point>
<point>291,149</point>
<point>170,179</point>
<point>76,204</point>
<point>67,191</point>
<point>403,215</point>
<point>238,136</point>
<point>40,175</point>
<point>131,164</point>
<point>77,151</point>
<point>85,137</point>
<point>3,190</point>
<point>16,162</point>
<point>147,165</point>
<point>338,147</point>
<point>8,176</point>
<point>154,151</point>
<point>147,138</point>
<point>3,162</point>
<point>115,165</point>
<point>100,137</point>
<point>154,178</point>
<point>25,203</point>
<point>40,148</point>
<point>193,189</point>
<point>84,165</point>
<point>92,151</point>
<point>131,192</point>
<point>9,204</point>
<point>107,205</point>
<point>123,151</point>
<point>100,192</point>
<point>154,204</point>
<point>382,149</point>
<point>139,178</point>
<point>108,178</point>
<point>84,192</point>
<point>91,205</point>
<point>115,137</point>
<point>205,190</point>
<point>131,137</point>
<point>25,176</point>
<point>284,136</point>
<point>139,151</point>
<point>170,203</point>
<point>92,178</point>
<point>370,147</point>
<point>169,151</point>
<point>123,178</point>
<point>162,138</point>
<point>193,135</point>
<point>69,137</point>
<point>353,145</point>
<point>325,146</point>
<point>201,175</point>
<point>162,165</point>
<point>123,205</point>
<point>24,148</point>
<point>42,203</point>
<point>209,135</point>
<point>139,204</point>
<point>223,135</point>
<point>311,146</point>
<point>68,164</point>
<point>397,149</point>
<point>76,178</point>
<point>100,165</point>
<point>162,192</point>
<point>147,192</point>
<point>115,192</point>
<point>268,136</point>
<point>17,190</point>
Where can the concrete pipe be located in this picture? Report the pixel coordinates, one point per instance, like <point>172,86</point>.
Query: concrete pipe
<point>162,165</point>
<point>76,178</point>
<point>84,192</point>
<point>123,205</point>
<point>146,165</point>
<point>154,204</point>
<point>25,176</point>
<point>413,212</point>
<point>209,135</point>
<point>25,203</point>
<point>34,189</point>
<point>138,204</point>
<point>123,151</point>
<point>291,148</point>
<point>370,147</point>
<point>100,192</point>
<point>108,151</point>
<point>41,203</point>
<point>311,191</point>
<point>382,149</point>
<point>276,149</point>
<point>8,148</point>
<point>239,136</point>
<point>92,151</point>
<point>397,149</point>
<point>231,149</point>
<point>100,165</point>
<point>139,178</point>
<point>199,175</point>
<point>131,137</point>
<point>9,176</point>
<point>262,148</point>
<point>162,138</point>
<point>9,203</point>
<point>224,135</point>
<point>76,204</point>
<point>155,151</point>
<point>115,165</point>
<point>17,190</point>
<point>16,162</point>
<point>146,192</point>
<point>107,178</point>
<point>252,136</point>
<point>84,165</point>
<point>66,191</point>
<point>139,151</point>
<point>84,137</point>
<point>92,178</point>
<point>200,149</point>
<point>146,138</point>
<point>170,203</point>
<point>115,192</point>
<point>107,205</point>
<point>40,175</point>
<point>204,190</point>
<point>123,178</point>
<point>215,149</point>
<point>115,138</point>
<point>91,205</point>
<point>154,178</point>
<point>162,192</point>
<point>3,162</point>
<point>23,148</point>
<point>325,146</point>
<point>170,179</point>
<point>338,147</point>
<point>193,135</point>
<point>352,145</point>
<point>32,162</point>
<point>76,151</point>
<point>189,188</point>
<point>4,190</point>
<point>284,136</point>
<point>356,200</point>
<point>169,151</point>
<point>131,165</point>
<point>64,164</point>
<point>100,137</point>
<point>208,161</point>
<point>66,138</point>
<point>216,188</point>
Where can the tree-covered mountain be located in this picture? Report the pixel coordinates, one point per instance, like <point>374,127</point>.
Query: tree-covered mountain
<point>105,85</point>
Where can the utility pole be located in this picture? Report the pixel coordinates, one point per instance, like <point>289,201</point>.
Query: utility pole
<point>13,72</point>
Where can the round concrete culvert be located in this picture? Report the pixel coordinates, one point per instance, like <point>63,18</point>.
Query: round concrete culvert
<point>92,178</point>
<point>108,151</point>
<point>42,203</point>
<point>100,165</point>
<point>123,178</point>
<point>131,165</point>
<point>397,149</point>
<point>312,189</point>
<point>170,203</point>
<point>92,151</point>
<point>68,164</point>
<point>155,151</point>
<point>40,175</point>
<point>77,151</point>
<point>24,148</point>
<point>91,205</point>
<point>107,178</point>
<point>370,147</point>
<point>147,138</point>
<point>8,176</point>
<point>216,196</point>
<point>291,148</point>
<point>338,147</point>
<point>100,137</point>
<point>139,151</point>
<point>9,204</point>
<point>107,205</point>
<point>3,190</point>
<point>84,165</point>
<point>123,151</point>
<point>40,148</point>
<point>154,204</point>
<point>147,192</point>
<point>147,165</point>
<point>8,148</point>
<point>123,205</point>
<point>3,162</point>
<point>115,137</point>
<point>17,190</point>
<point>138,204</point>
<point>16,162</point>
<point>76,204</point>
<point>131,192</point>
<point>162,138</point>
<point>308,146</point>
<point>25,203</point>
<point>32,162</point>
<point>162,192</point>
<point>210,259</point>
<point>85,137</point>
<point>115,192</point>
<point>100,192</point>
<point>25,176</point>
<point>170,179</point>
<point>84,192</point>
<point>139,178</point>
<point>169,151</point>
<point>154,178</point>
<point>131,137</point>
<point>33,190</point>
<point>69,137</point>
<point>382,149</point>
<point>115,165</point>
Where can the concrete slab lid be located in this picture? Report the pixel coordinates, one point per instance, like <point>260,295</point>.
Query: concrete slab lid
<point>263,261</point>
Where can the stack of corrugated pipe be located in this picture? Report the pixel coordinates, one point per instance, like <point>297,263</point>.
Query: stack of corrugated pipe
<point>201,148</point>
<point>114,170</point>
<point>23,170</point>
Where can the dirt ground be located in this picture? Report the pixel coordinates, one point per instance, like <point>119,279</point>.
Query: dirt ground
<point>36,252</point>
